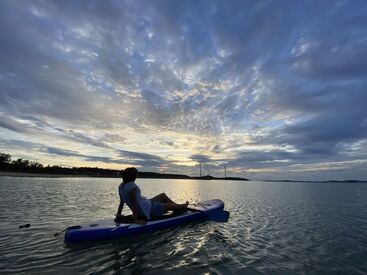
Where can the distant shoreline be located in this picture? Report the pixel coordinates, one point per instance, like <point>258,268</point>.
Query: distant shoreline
<point>318,181</point>
<point>142,176</point>
<point>38,175</point>
<point>26,168</point>
<point>45,175</point>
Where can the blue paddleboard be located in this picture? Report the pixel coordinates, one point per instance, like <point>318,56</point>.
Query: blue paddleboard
<point>110,229</point>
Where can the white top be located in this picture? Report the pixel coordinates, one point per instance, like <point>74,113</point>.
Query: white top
<point>144,203</point>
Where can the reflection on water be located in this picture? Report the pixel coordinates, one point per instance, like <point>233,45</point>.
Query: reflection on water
<point>274,227</point>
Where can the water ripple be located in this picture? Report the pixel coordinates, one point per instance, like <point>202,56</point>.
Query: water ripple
<point>274,228</point>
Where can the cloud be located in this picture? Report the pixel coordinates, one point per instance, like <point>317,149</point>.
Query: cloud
<point>76,136</point>
<point>63,152</point>
<point>13,125</point>
<point>200,158</point>
<point>142,159</point>
<point>249,83</point>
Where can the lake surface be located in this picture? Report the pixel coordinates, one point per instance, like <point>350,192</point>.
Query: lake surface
<point>275,227</point>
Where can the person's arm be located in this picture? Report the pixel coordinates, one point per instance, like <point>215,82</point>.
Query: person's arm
<point>119,210</point>
<point>135,207</point>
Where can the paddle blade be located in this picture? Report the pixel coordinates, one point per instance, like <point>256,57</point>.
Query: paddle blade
<point>222,216</point>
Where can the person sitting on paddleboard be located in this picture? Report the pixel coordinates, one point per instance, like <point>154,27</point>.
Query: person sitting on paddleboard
<point>143,209</point>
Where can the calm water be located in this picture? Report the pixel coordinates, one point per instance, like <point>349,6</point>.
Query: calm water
<point>274,228</point>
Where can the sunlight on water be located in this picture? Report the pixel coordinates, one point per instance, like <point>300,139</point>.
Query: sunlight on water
<point>274,227</point>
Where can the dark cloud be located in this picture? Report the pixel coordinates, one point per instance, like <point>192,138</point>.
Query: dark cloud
<point>63,152</point>
<point>18,145</point>
<point>103,159</point>
<point>76,136</point>
<point>89,158</point>
<point>13,125</point>
<point>142,159</point>
<point>200,158</point>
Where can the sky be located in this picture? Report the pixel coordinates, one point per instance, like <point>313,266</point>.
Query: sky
<point>268,89</point>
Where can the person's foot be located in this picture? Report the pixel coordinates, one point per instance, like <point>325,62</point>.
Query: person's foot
<point>182,207</point>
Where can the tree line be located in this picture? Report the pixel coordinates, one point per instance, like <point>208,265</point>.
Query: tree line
<point>27,166</point>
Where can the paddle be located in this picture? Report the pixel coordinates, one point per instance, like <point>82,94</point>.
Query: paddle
<point>217,216</point>
<point>70,227</point>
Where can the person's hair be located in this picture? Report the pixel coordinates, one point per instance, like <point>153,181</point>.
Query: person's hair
<point>129,174</point>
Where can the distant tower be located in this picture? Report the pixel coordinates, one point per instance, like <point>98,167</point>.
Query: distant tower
<point>225,172</point>
<point>200,168</point>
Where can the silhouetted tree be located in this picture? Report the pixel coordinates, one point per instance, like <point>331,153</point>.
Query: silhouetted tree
<point>20,163</point>
<point>5,158</point>
<point>35,164</point>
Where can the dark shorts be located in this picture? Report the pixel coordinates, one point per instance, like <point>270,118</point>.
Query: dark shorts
<point>156,210</point>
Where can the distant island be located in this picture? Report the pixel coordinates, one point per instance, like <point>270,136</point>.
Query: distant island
<point>318,181</point>
<point>23,167</point>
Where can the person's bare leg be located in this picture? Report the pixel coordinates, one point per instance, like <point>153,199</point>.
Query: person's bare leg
<point>175,206</point>
<point>163,198</point>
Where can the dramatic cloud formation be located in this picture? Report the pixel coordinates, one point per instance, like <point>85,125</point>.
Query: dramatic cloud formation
<point>268,89</point>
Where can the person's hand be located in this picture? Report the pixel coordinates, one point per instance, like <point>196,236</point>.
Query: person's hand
<point>140,221</point>
<point>118,217</point>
